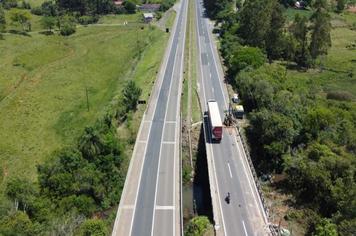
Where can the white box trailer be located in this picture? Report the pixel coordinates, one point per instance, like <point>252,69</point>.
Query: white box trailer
<point>215,122</point>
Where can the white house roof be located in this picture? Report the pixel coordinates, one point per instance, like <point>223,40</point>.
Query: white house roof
<point>148,15</point>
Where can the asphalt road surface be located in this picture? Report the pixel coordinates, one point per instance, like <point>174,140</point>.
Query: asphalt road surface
<point>150,203</point>
<point>244,214</point>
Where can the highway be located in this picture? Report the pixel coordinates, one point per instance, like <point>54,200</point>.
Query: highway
<point>244,215</point>
<point>150,202</point>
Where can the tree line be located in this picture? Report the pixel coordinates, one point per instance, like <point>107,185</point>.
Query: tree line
<point>76,183</point>
<point>294,130</point>
<point>65,14</point>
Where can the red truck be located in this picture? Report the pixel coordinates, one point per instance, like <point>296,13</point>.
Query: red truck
<point>216,126</point>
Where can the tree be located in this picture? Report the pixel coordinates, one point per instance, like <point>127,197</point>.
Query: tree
<point>274,36</point>
<point>90,143</point>
<point>130,7</point>
<point>83,204</point>
<point>49,8</point>
<point>25,5</point>
<point>48,22</point>
<point>93,227</point>
<point>317,120</point>
<point>21,17</point>
<point>2,20</point>
<point>274,134</point>
<point>340,6</point>
<point>246,57</point>
<point>299,30</point>
<point>325,228</point>
<point>66,25</point>
<point>17,223</point>
<point>197,226</point>
<point>21,192</point>
<point>131,94</point>
<point>255,18</point>
<point>321,26</point>
<point>218,9</point>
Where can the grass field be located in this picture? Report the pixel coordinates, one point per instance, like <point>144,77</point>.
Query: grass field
<point>339,66</point>
<point>43,83</point>
<point>35,3</point>
<point>291,12</point>
<point>190,69</point>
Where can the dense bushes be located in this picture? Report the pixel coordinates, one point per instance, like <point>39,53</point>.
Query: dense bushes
<point>93,228</point>
<point>166,4</point>
<point>293,128</point>
<point>309,138</point>
<point>197,226</point>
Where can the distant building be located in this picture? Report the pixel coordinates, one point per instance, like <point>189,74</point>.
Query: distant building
<point>149,7</point>
<point>118,3</point>
<point>299,5</point>
<point>148,17</point>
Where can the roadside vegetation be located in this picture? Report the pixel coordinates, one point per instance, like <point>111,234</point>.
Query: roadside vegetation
<point>199,225</point>
<point>68,114</point>
<point>295,73</point>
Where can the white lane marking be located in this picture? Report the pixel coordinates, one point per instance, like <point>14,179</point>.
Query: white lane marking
<point>210,74</point>
<point>228,165</point>
<point>128,207</point>
<point>165,116</point>
<point>243,223</point>
<point>158,207</point>
<point>204,105</point>
<point>212,89</point>
<point>170,122</point>
<point>168,142</point>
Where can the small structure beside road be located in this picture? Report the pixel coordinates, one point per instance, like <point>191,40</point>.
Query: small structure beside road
<point>148,17</point>
<point>118,3</point>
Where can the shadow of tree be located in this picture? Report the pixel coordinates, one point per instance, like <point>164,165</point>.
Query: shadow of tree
<point>46,32</point>
<point>18,32</point>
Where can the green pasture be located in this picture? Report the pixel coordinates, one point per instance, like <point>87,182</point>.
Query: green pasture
<point>45,80</point>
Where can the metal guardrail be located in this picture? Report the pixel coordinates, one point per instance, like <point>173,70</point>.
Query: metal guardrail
<point>273,229</point>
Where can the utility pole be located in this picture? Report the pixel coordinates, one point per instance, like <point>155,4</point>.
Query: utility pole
<point>87,95</point>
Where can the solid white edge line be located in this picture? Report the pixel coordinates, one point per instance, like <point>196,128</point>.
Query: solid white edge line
<point>228,165</point>
<point>160,207</point>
